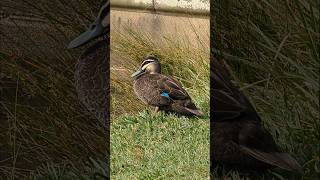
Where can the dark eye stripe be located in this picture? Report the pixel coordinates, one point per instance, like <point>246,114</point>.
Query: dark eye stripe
<point>147,62</point>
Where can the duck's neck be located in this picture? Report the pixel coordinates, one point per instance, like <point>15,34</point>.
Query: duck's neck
<point>140,75</point>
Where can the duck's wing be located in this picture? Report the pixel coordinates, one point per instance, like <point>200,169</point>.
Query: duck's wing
<point>228,102</point>
<point>256,142</point>
<point>171,88</point>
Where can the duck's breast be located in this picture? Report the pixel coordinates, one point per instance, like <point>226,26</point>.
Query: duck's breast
<point>147,89</point>
<point>91,80</point>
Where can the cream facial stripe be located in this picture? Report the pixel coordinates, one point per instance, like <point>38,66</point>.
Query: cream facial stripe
<point>146,63</point>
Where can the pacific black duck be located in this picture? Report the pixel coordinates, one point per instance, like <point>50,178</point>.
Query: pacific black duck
<point>92,68</point>
<point>238,139</point>
<point>160,91</point>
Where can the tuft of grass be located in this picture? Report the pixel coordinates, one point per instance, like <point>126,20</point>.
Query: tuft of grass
<point>272,48</point>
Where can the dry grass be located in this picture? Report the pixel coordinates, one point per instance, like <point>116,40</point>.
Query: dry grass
<point>45,131</point>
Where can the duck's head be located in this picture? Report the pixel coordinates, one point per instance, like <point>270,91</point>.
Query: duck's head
<point>150,65</point>
<point>97,29</point>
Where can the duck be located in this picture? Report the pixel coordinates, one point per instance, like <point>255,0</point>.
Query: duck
<point>92,68</point>
<point>160,91</point>
<point>238,139</point>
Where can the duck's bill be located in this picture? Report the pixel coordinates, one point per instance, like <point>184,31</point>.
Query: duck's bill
<point>137,73</point>
<point>93,32</point>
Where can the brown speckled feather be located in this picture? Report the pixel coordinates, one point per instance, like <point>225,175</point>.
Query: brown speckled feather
<point>91,80</point>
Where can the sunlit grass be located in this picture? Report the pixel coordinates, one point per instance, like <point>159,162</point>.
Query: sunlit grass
<point>159,146</point>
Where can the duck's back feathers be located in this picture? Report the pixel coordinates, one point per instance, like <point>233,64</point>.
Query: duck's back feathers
<point>225,106</point>
<point>172,87</point>
<point>227,101</point>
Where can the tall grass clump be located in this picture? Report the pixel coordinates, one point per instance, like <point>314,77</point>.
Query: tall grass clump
<point>272,49</point>
<point>46,133</point>
<point>129,46</point>
<point>145,145</point>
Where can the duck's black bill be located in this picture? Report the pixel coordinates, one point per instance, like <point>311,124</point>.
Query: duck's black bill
<point>137,73</point>
<point>94,31</point>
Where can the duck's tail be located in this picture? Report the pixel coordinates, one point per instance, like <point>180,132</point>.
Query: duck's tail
<point>281,160</point>
<point>196,112</point>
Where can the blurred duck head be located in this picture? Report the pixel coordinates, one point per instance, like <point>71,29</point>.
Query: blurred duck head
<point>97,29</point>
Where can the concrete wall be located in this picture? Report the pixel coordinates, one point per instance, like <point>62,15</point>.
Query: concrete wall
<point>184,20</point>
<point>200,7</point>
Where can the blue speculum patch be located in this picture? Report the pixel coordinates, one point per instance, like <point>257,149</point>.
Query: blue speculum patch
<point>165,94</point>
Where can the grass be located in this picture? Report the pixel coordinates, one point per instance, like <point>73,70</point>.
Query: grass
<point>145,145</point>
<point>45,132</point>
<point>272,49</point>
